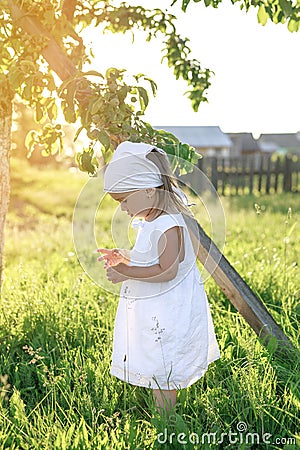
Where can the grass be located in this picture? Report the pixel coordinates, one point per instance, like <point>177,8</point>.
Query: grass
<point>56,330</point>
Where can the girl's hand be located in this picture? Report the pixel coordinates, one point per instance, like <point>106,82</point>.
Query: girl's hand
<point>112,257</point>
<point>115,274</point>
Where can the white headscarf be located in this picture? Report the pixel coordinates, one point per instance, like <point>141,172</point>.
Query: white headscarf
<point>131,170</point>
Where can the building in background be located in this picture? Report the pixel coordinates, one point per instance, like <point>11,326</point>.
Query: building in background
<point>212,141</point>
<point>207,140</point>
<point>281,143</point>
<point>246,147</point>
<point>243,144</point>
<point>233,159</point>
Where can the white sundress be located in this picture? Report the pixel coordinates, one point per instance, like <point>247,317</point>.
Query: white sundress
<point>164,334</point>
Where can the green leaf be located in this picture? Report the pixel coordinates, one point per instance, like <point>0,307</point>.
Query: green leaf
<point>113,73</point>
<point>272,344</point>
<point>103,137</point>
<point>286,7</point>
<point>183,5</point>
<point>184,151</point>
<point>170,149</point>
<point>293,25</point>
<point>30,139</point>
<point>84,160</point>
<point>38,112</point>
<point>149,129</point>
<point>122,93</point>
<point>153,85</point>
<point>144,99</point>
<point>93,73</point>
<point>52,111</point>
<point>51,83</point>
<point>77,133</point>
<point>107,154</point>
<point>195,157</point>
<point>85,433</point>
<point>70,95</point>
<point>138,76</point>
<point>15,79</point>
<point>262,15</point>
<point>291,229</point>
<point>54,148</point>
<point>94,107</point>
<point>27,91</point>
<point>69,114</point>
<point>66,83</point>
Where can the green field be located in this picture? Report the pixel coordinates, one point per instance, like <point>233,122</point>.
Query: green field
<point>56,329</point>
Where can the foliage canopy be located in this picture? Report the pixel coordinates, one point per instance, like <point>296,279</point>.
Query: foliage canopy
<point>39,38</point>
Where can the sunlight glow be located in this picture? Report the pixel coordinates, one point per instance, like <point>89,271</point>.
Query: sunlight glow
<point>257,70</point>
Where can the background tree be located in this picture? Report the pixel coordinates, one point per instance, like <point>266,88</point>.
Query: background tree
<point>23,123</point>
<point>42,37</point>
<point>278,11</point>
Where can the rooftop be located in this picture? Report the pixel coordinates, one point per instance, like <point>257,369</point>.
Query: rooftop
<point>283,140</point>
<point>199,136</point>
<point>244,141</point>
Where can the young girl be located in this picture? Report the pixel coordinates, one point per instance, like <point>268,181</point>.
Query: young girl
<point>164,336</point>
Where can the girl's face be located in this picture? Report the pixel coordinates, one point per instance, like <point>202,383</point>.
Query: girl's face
<point>137,203</point>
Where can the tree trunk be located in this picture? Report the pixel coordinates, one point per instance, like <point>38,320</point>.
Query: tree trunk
<point>5,144</point>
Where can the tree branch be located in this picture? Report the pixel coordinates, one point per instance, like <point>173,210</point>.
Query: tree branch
<point>54,55</point>
<point>68,9</point>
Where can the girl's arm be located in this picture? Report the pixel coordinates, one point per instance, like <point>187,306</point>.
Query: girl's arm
<point>166,270</point>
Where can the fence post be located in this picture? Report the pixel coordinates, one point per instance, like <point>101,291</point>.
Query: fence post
<point>243,173</point>
<point>287,180</point>
<point>214,172</point>
<point>197,181</point>
<point>261,165</point>
<point>223,176</point>
<point>297,168</point>
<point>268,179</point>
<point>251,173</point>
<point>277,171</point>
<point>236,177</point>
<point>229,178</point>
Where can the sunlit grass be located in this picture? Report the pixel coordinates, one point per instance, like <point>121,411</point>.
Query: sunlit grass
<point>56,333</point>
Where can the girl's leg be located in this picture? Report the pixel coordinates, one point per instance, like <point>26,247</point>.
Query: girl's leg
<point>164,399</point>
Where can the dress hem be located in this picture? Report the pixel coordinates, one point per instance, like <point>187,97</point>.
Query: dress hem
<point>119,373</point>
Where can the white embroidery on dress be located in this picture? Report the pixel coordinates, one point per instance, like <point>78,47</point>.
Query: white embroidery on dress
<point>157,330</point>
<point>126,292</point>
<point>129,299</point>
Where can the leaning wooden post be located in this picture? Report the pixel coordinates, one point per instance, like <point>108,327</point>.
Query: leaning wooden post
<point>236,289</point>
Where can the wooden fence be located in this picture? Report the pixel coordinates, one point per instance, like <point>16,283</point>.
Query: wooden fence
<point>248,174</point>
